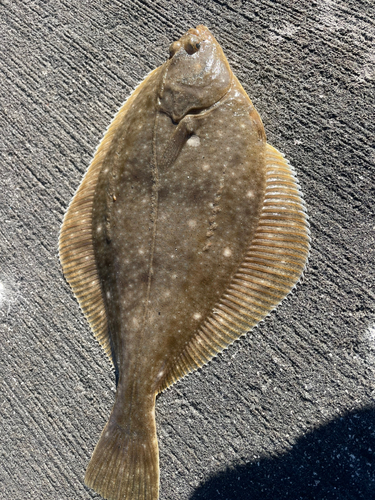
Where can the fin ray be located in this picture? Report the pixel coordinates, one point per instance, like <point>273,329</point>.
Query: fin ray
<point>76,248</point>
<point>272,267</point>
<point>124,465</point>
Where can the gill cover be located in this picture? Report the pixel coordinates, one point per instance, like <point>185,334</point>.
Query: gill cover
<point>197,74</point>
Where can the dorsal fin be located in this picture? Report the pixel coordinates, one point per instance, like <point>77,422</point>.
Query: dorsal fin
<point>273,265</point>
<point>76,243</point>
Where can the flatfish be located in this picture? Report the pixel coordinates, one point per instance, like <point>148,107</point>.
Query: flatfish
<point>186,231</point>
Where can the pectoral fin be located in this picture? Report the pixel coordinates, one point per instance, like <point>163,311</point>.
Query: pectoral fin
<point>185,129</point>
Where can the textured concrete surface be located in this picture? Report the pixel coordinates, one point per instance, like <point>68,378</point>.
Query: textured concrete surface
<point>288,412</point>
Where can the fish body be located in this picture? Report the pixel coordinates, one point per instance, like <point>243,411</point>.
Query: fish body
<point>187,230</point>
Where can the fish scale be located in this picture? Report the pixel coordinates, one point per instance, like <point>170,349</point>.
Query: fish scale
<point>186,231</point>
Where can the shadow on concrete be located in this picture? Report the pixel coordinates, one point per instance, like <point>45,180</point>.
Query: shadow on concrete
<point>336,461</point>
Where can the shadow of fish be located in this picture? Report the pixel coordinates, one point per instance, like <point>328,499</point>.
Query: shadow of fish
<point>186,231</point>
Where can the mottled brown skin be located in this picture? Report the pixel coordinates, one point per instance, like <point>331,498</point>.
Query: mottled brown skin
<point>187,230</point>
<point>169,236</point>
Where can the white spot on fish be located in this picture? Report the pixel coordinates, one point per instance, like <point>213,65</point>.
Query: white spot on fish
<point>197,316</point>
<point>192,223</point>
<point>193,141</point>
<point>227,252</point>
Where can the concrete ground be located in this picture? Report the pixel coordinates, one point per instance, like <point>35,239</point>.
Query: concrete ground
<point>287,412</point>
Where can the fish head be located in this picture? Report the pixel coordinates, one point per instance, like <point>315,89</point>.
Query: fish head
<point>197,74</point>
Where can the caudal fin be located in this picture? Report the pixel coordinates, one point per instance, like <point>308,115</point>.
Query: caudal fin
<point>125,464</point>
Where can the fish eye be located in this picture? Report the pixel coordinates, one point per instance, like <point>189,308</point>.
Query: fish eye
<point>173,48</point>
<point>192,45</point>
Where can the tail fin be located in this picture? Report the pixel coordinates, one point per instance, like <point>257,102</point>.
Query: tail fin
<point>125,463</point>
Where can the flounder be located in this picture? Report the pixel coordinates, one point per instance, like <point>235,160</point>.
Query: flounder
<point>186,231</point>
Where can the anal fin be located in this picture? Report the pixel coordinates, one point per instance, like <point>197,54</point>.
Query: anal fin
<point>273,265</point>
